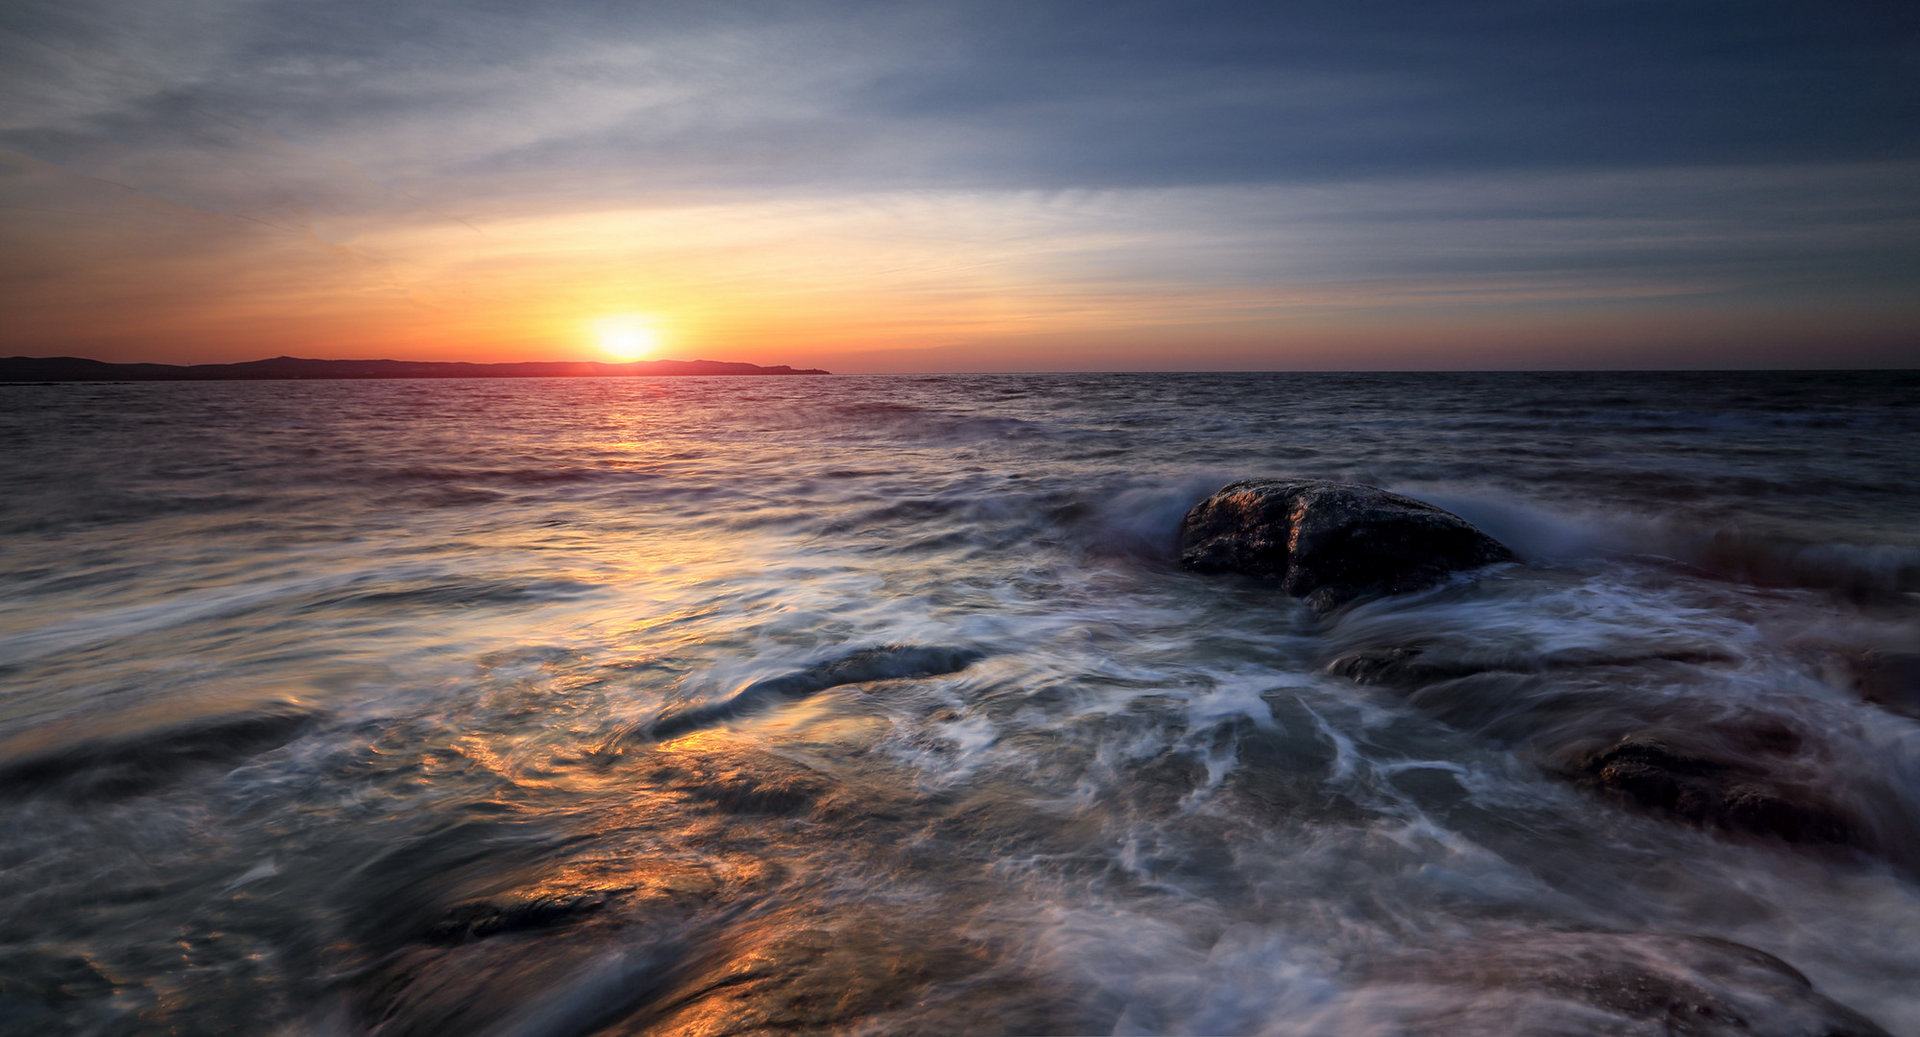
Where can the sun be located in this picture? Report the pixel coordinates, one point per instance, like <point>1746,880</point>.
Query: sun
<point>628,336</point>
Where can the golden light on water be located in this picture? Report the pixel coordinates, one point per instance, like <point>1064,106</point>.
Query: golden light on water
<point>628,336</point>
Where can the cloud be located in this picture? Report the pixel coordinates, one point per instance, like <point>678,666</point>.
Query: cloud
<point>616,98</point>
<point>997,167</point>
<point>67,60</point>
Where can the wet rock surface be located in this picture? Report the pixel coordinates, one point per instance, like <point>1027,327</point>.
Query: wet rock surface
<point>676,916</point>
<point>864,666</point>
<point>1711,786</point>
<point>1625,983</point>
<point>1748,772</point>
<point>1412,666</point>
<point>1890,680</point>
<point>141,751</point>
<point>1331,543</point>
<point>44,990</point>
<point>481,919</point>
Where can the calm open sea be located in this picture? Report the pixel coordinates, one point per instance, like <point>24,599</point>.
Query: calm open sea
<point>880,703</point>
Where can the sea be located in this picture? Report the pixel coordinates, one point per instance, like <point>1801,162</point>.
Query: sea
<point>882,704</point>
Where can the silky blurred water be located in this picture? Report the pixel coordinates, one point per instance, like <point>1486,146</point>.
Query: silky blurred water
<point>337,707</point>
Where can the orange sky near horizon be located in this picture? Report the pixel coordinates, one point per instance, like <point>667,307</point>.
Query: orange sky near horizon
<point>910,281</point>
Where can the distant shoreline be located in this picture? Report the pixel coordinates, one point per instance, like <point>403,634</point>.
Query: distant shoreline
<point>78,369</point>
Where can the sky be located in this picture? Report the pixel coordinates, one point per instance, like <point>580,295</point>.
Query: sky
<point>965,186</point>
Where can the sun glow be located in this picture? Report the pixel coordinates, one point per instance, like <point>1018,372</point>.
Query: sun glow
<point>628,336</point>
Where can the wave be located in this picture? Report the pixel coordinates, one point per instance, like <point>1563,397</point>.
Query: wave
<point>455,593</point>
<point>537,473</point>
<point>1141,520</point>
<point>1544,534</point>
<point>890,421</point>
<point>378,588</point>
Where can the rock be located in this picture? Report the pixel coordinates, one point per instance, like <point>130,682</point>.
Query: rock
<point>142,749</point>
<point>1594,982</point>
<point>1405,667</point>
<point>863,666</point>
<point>1890,680</point>
<point>513,913</point>
<point>1331,543</point>
<point>1750,772</point>
<point>1423,665</point>
<point>1723,780</point>
<point>45,989</point>
<point>1413,666</point>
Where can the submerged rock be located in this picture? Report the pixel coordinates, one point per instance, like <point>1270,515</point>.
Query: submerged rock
<point>1750,772</point>
<point>512,913</point>
<point>1413,666</point>
<point>863,666</point>
<point>1408,667</point>
<point>45,989</point>
<point>1729,784</point>
<point>141,750</point>
<point>1890,680</point>
<point>1581,982</point>
<point>1331,543</point>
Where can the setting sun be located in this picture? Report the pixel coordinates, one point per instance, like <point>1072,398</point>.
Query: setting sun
<point>627,337</point>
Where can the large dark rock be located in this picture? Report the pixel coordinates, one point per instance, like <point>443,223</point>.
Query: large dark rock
<point>1331,543</point>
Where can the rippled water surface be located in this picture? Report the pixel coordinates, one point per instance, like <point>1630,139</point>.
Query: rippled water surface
<point>882,705</point>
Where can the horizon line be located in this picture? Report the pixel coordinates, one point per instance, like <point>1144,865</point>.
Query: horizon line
<point>928,373</point>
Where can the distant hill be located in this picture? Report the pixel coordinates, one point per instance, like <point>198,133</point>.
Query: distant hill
<point>76,369</point>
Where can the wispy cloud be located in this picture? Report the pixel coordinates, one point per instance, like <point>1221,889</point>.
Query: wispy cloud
<point>218,171</point>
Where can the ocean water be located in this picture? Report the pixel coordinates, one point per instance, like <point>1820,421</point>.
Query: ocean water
<point>881,704</point>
